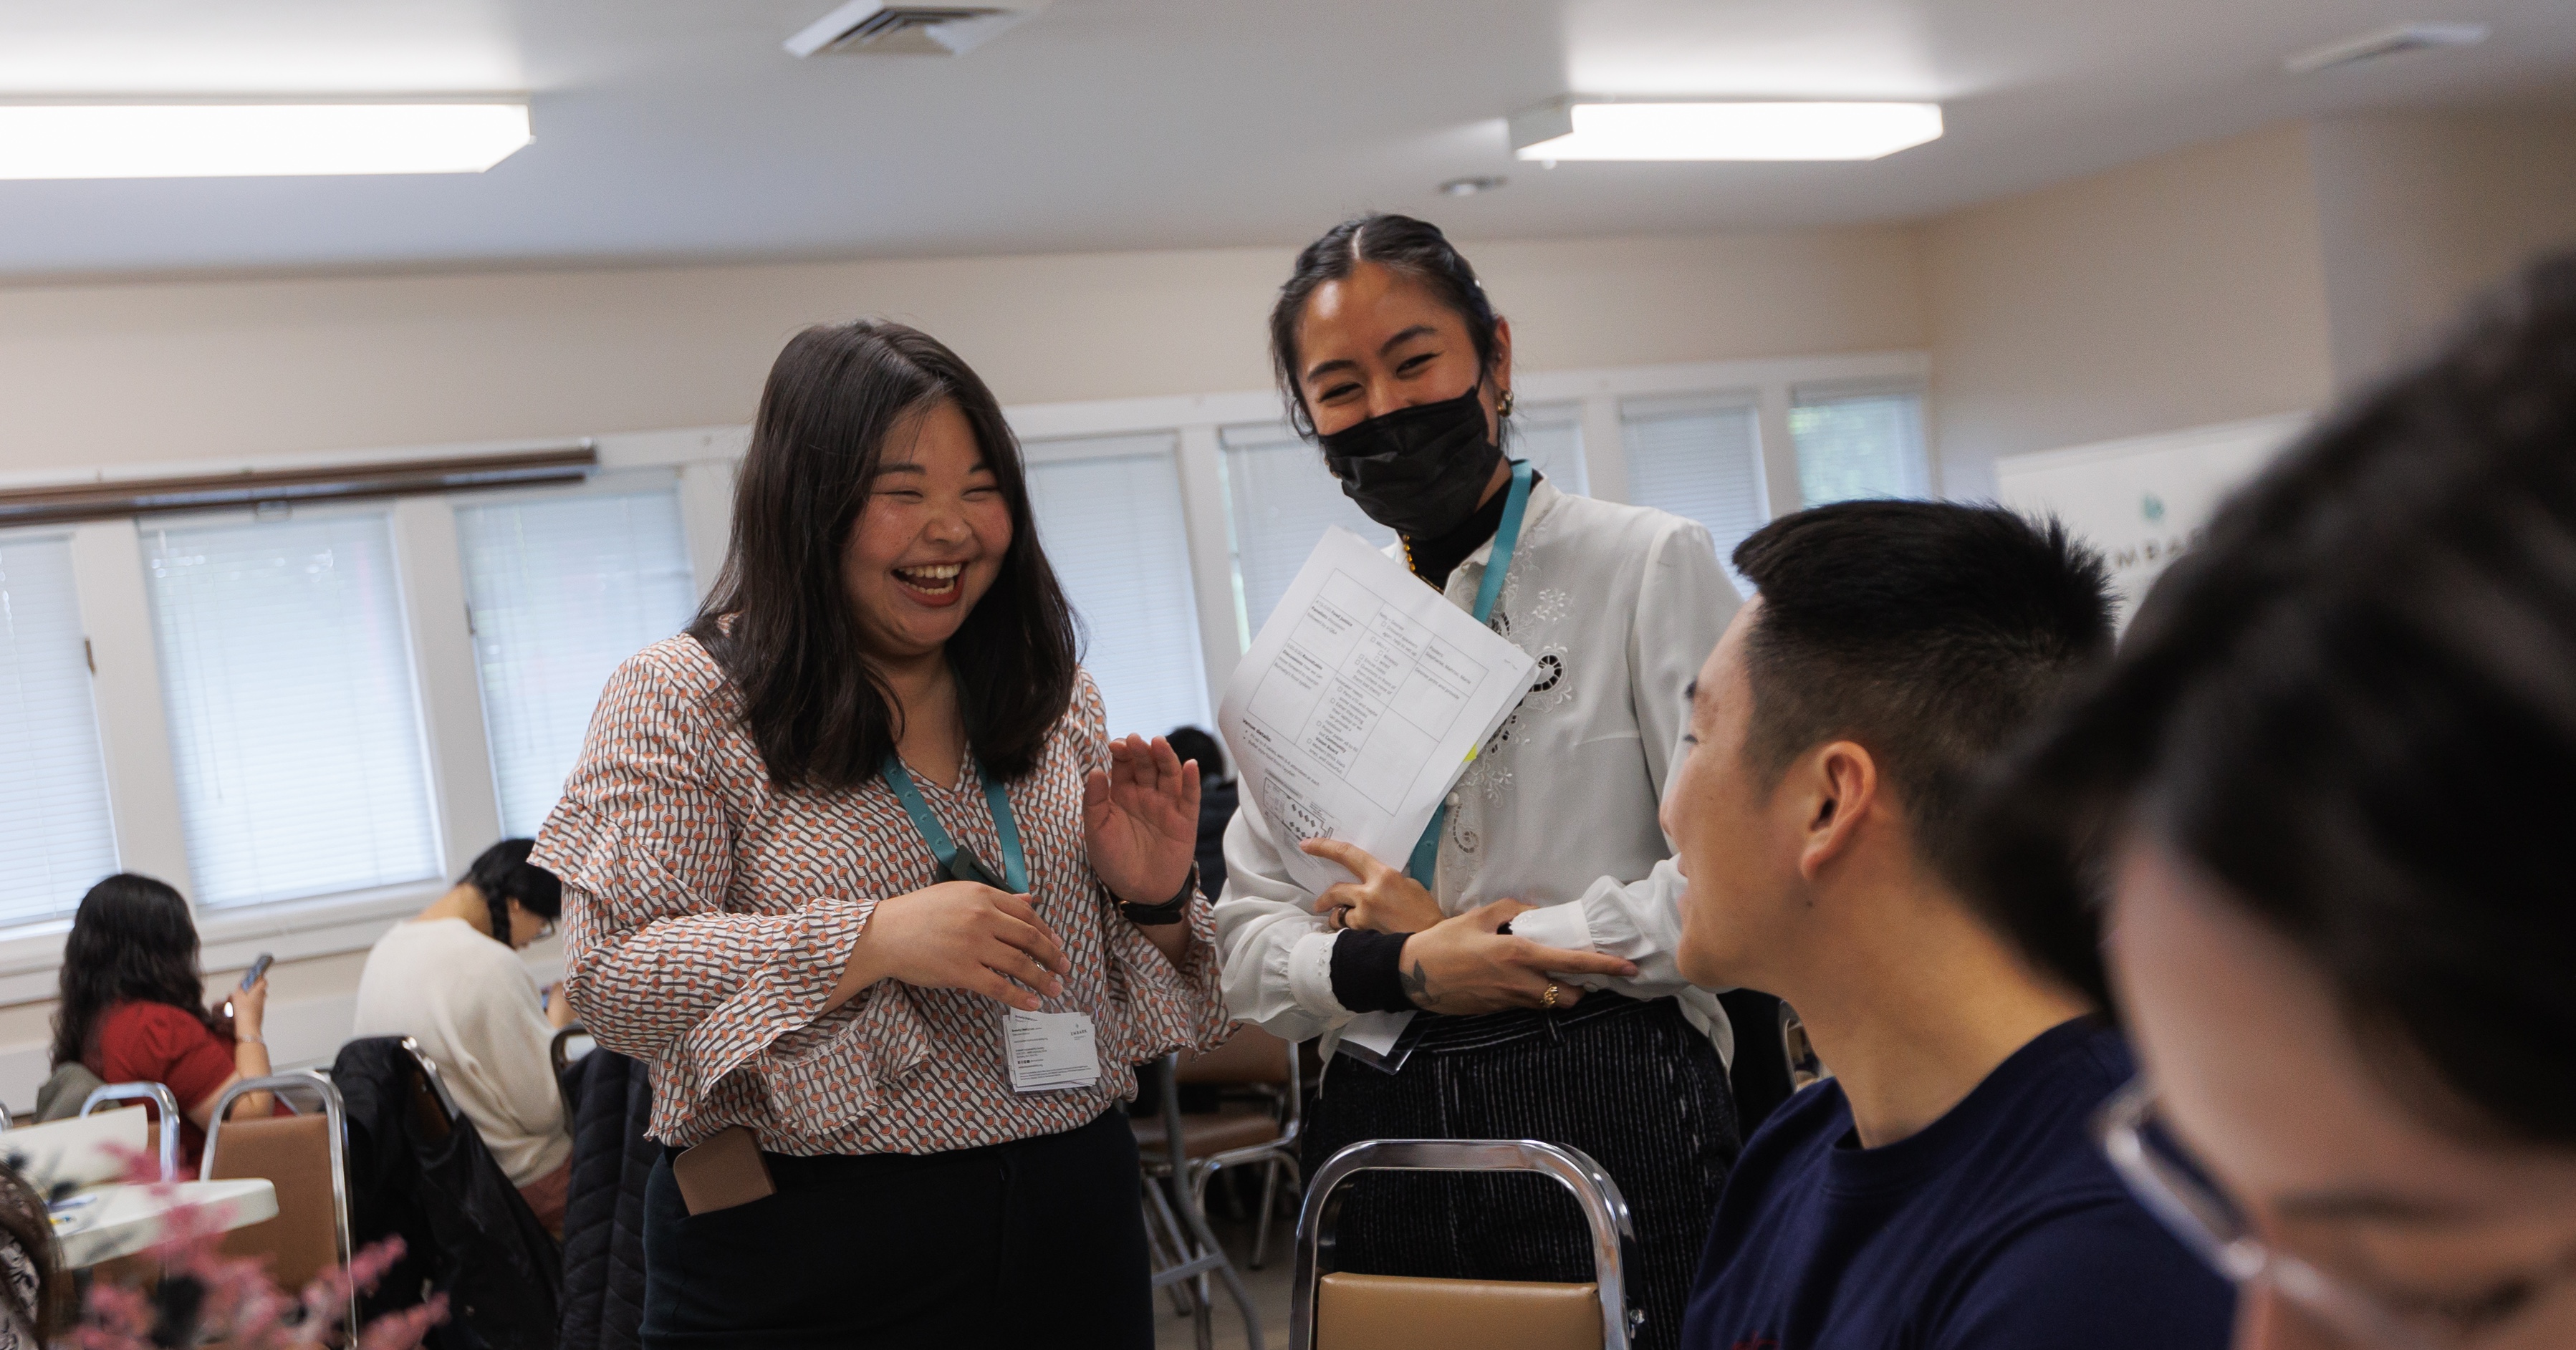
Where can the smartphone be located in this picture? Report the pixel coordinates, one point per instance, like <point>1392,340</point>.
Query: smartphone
<point>257,969</point>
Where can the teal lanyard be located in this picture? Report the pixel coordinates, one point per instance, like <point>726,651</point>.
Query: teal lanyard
<point>1507,534</point>
<point>1015,866</point>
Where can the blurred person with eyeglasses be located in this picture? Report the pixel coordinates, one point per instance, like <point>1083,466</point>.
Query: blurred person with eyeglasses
<point>450,978</point>
<point>1940,1191</point>
<point>2314,817</point>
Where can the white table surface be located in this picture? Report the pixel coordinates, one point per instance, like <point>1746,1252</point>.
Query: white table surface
<point>123,1220</point>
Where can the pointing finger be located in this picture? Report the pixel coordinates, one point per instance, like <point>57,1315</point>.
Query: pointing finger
<point>1349,855</point>
<point>1560,961</point>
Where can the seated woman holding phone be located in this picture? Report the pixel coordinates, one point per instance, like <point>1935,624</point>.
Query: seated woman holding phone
<point>855,865</point>
<point>131,1007</point>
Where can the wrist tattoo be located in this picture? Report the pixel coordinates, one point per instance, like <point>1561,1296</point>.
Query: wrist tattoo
<point>1417,987</point>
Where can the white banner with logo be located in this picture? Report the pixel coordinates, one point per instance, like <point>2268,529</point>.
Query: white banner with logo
<point>2143,501</point>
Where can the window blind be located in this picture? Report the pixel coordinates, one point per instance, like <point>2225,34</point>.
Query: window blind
<point>1862,443</point>
<point>558,593</point>
<point>1279,500</point>
<point>1109,513</point>
<point>294,721</point>
<point>1550,437</point>
<point>1699,458</point>
<point>56,836</point>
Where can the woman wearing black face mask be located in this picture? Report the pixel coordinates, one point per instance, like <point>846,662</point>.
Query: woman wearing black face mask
<point>1531,935</point>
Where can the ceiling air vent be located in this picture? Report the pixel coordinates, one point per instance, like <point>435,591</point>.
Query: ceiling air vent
<point>2389,41</point>
<point>876,28</point>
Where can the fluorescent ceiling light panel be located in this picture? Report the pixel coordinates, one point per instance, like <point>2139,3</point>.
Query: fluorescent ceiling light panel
<point>239,140</point>
<point>1575,129</point>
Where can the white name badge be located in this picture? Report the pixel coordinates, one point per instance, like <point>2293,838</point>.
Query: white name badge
<point>1049,1051</point>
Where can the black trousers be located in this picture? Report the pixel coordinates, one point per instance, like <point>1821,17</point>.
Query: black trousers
<point>1038,1241</point>
<point>1631,1083</point>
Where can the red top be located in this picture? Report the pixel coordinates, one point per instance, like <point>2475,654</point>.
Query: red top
<point>156,1043</point>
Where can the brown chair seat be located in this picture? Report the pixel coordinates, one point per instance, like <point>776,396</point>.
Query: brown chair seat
<point>294,1154</point>
<point>1237,1125</point>
<point>1405,1312</point>
<point>1250,1055</point>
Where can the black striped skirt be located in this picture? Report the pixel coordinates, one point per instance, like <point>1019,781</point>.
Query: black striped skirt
<point>1630,1083</point>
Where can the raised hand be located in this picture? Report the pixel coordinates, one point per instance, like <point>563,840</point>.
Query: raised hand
<point>1141,819</point>
<point>1383,900</point>
<point>1462,965</point>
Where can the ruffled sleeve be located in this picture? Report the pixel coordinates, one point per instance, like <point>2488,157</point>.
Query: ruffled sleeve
<point>655,963</point>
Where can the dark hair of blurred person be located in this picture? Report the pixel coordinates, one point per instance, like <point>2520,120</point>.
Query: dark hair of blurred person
<point>1941,1187</point>
<point>2318,810</point>
<point>132,1005</point>
<point>509,886</point>
<point>779,620</point>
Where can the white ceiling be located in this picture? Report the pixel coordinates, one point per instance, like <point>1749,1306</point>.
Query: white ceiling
<point>678,129</point>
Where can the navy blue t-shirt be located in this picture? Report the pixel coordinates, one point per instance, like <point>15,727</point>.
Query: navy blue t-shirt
<point>1999,1227</point>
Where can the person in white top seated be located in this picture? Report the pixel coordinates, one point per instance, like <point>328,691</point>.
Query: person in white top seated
<point>450,978</point>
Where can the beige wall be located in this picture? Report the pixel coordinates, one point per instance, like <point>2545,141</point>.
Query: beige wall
<point>2421,212</point>
<point>106,374</point>
<point>2178,291</point>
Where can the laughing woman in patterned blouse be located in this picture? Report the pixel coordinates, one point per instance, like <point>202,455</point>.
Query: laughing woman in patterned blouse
<point>854,865</point>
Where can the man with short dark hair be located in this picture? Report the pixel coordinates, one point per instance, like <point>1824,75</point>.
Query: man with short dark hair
<point>1941,1189</point>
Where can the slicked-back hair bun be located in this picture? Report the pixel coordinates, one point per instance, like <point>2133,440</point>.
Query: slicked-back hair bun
<point>1401,244</point>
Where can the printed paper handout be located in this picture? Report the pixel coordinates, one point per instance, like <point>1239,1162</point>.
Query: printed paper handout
<point>1360,703</point>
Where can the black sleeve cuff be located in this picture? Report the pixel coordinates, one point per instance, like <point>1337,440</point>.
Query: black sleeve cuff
<point>1368,972</point>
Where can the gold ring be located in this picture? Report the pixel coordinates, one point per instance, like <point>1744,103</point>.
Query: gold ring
<point>1548,999</point>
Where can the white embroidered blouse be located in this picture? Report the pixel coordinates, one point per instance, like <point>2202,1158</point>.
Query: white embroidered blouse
<point>1619,605</point>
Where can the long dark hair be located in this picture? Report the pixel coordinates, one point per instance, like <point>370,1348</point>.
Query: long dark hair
<point>779,621</point>
<point>1401,244</point>
<point>2354,706</point>
<point>132,941</point>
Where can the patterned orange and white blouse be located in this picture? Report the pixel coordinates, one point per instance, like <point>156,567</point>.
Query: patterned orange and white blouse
<point>708,916</point>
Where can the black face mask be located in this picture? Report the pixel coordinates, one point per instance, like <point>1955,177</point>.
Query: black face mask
<point>1418,471</point>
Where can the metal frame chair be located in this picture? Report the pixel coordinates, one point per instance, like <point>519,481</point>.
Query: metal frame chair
<point>1176,1227</point>
<point>437,1083</point>
<point>1272,1155</point>
<point>160,1096</point>
<point>555,1056</point>
<point>336,1116</point>
<point>1605,1210</point>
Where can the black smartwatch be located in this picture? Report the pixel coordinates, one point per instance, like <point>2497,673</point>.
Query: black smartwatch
<point>1170,911</point>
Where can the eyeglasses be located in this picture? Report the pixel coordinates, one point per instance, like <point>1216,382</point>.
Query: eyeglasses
<point>2177,1192</point>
